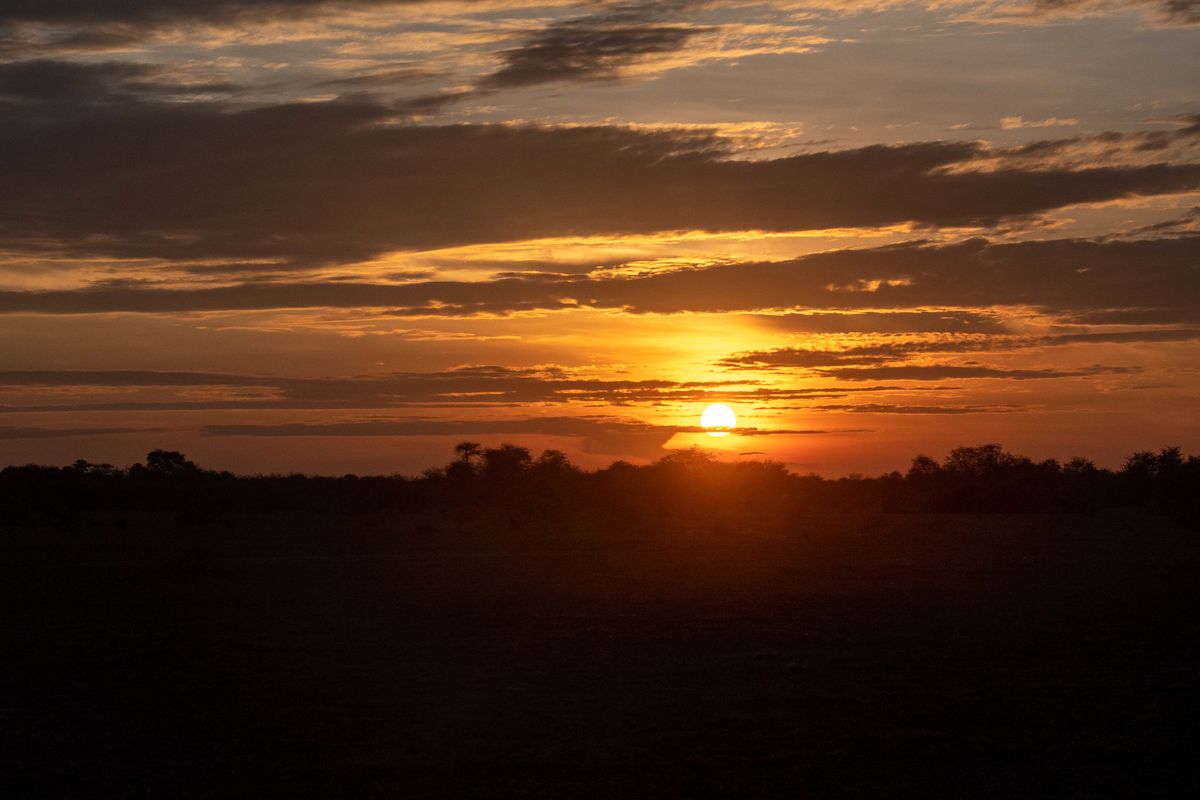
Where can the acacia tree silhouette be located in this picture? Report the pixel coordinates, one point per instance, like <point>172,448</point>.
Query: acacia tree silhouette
<point>464,469</point>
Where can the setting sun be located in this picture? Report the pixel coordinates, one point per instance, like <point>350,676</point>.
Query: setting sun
<point>718,419</point>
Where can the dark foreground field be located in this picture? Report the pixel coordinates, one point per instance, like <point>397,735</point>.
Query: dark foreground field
<point>397,656</point>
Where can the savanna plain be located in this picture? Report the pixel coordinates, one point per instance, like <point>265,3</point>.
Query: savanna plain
<point>704,649</point>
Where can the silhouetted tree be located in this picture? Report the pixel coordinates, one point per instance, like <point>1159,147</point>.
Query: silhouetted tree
<point>982,460</point>
<point>1142,464</point>
<point>464,468</point>
<point>468,450</point>
<point>168,462</point>
<point>506,462</point>
<point>1079,466</point>
<point>554,462</point>
<point>923,467</point>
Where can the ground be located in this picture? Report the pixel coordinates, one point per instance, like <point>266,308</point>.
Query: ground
<point>452,655</point>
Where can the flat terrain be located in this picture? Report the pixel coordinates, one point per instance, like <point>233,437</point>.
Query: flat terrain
<point>839,656</point>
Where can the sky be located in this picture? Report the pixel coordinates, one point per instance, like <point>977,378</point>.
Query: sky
<point>329,237</point>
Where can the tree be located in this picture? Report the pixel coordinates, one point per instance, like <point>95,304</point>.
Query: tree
<point>1079,466</point>
<point>554,462</point>
<point>506,462</point>
<point>923,467</point>
<point>982,460</point>
<point>464,468</point>
<point>690,459</point>
<point>168,462</point>
<point>1142,464</point>
<point>1170,461</point>
<point>468,450</point>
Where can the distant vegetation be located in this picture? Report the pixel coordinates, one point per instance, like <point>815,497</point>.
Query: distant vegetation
<point>685,482</point>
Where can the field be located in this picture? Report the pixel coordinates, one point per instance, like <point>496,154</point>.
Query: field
<point>388,655</point>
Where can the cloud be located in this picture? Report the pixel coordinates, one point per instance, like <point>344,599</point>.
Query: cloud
<point>426,426</point>
<point>20,432</point>
<point>66,80</point>
<point>888,351</point>
<point>602,436</point>
<point>157,12</point>
<point>170,11</point>
<point>884,322</point>
<point>594,47</point>
<point>388,75</point>
<point>463,386</point>
<point>478,387</point>
<point>71,87</point>
<point>1114,149</point>
<point>32,27</point>
<point>1011,123</point>
<point>944,371</point>
<point>886,408</point>
<point>1188,223</point>
<point>1064,276</point>
<point>796,357</point>
<point>336,182</point>
<point>1167,13</point>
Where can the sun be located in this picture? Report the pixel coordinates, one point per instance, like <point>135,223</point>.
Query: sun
<point>718,419</point>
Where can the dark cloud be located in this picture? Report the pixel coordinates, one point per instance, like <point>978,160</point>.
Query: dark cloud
<point>1066,276</point>
<point>457,388</point>
<point>797,357</point>
<point>465,386</point>
<point>38,27</point>
<point>69,87</point>
<point>46,80</point>
<point>591,47</point>
<point>333,182</point>
<point>886,408</point>
<point>155,12</point>
<point>903,349</point>
<point>427,104</point>
<point>885,322</point>
<point>1170,12</point>
<point>19,432</point>
<point>388,75</point>
<point>124,378</point>
<point>1182,11</point>
<point>1189,222</point>
<point>1135,316</point>
<point>602,436</point>
<point>169,11</point>
<point>594,47</point>
<point>425,426</point>
<point>942,372</point>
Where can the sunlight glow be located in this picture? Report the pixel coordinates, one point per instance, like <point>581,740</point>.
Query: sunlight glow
<point>718,418</point>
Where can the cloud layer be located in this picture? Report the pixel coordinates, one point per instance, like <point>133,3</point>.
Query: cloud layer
<point>337,182</point>
<point>1157,278</point>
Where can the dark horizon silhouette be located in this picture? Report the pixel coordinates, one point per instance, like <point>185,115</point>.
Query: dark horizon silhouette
<point>980,479</point>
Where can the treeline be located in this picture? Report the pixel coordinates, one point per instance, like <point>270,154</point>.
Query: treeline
<point>686,482</point>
